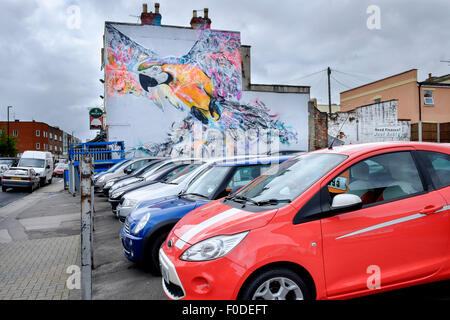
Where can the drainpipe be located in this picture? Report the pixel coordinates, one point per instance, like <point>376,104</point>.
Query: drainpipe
<point>419,129</point>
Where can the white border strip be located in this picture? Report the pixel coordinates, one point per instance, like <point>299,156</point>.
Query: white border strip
<point>205,224</point>
<point>384,224</point>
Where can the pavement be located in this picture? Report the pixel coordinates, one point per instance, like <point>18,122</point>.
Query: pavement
<point>39,241</point>
<point>114,277</point>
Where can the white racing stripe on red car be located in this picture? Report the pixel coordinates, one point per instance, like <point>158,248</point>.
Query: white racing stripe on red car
<point>204,225</point>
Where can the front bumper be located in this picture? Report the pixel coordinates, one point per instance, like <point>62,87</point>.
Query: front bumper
<point>132,245</point>
<point>218,279</point>
<point>114,203</point>
<point>171,283</point>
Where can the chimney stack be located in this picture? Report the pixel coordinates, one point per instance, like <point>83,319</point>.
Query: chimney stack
<point>201,22</point>
<point>150,18</point>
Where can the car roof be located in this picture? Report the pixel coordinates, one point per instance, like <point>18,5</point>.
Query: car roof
<point>361,148</point>
<point>240,161</point>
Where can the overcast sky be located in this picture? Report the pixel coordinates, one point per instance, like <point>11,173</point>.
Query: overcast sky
<point>50,68</point>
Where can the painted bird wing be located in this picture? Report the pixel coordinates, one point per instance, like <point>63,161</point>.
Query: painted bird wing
<point>218,55</point>
<point>127,52</point>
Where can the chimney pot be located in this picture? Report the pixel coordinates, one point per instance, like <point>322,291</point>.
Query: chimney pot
<point>205,13</point>
<point>156,8</point>
<point>194,14</point>
<point>429,75</point>
<point>144,8</point>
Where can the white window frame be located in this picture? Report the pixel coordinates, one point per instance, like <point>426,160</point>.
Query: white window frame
<point>38,133</point>
<point>430,99</point>
<point>38,146</point>
<point>15,133</point>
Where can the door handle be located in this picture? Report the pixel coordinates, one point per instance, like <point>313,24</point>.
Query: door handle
<point>430,209</point>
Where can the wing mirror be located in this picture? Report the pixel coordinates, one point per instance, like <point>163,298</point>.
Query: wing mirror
<point>346,202</point>
<point>127,170</point>
<point>48,166</point>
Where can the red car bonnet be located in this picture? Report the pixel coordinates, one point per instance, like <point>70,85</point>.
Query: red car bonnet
<point>217,218</point>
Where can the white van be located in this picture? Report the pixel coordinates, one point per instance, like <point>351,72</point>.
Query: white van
<point>41,162</point>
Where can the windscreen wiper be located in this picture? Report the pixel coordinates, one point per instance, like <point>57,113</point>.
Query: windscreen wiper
<point>194,194</point>
<point>272,202</point>
<point>241,199</point>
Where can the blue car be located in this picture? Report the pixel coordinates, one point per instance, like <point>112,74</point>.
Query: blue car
<point>145,229</point>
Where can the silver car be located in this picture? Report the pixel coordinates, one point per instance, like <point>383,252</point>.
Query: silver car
<point>125,168</point>
<point>20,178</point>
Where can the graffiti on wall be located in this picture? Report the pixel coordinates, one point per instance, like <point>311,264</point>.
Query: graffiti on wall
<point>204,84</point>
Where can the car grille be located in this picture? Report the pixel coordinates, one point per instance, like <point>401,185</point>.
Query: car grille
<point>175,290</point>
<point>126,226</point>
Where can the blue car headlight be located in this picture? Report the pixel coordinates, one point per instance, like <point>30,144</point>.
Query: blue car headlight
<point>141,224</point>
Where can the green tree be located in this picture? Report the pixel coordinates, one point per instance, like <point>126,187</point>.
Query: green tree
<point>8,148</point>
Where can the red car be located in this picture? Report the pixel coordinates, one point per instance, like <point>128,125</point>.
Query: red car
<point>331,224</point>
<point>59,170</point>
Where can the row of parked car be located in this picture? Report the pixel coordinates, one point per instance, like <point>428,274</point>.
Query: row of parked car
<point>306,226</point>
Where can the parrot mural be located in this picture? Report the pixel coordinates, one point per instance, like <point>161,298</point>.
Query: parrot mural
<point>205,83</point>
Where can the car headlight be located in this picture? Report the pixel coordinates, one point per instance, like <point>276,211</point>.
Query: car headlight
<point>101,179</point>
<point>213,248</point>
<point>116,194</point>
<point>129,202</point>
<point>141,224</point>
<point>109,184</point>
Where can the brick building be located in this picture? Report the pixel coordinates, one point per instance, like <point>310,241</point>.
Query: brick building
<point>35,135</point>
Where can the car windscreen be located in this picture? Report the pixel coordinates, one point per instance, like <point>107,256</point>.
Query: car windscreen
<point>117,165</point>
<point>9,162</point>
<point>207,183</point>
<point>287,181</point>
<point>62,166</point>
<point>17,172</point>
<point>33,163</point>
<point>157,168</point>
<point>141,172</point>
<point>180,176</point>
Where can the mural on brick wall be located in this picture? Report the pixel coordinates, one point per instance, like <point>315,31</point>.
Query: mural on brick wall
<point>190,101</point>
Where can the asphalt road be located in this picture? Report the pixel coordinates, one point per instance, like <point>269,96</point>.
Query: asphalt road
<point>12,195</point>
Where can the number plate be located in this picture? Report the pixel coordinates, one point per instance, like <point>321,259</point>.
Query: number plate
<point>16,178</point>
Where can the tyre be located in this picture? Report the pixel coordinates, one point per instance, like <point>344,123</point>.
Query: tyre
<point>4,189</point>
<point>276,284</point>
<point>50,181</point>
<point>151,258</point>
<point>42,182</point>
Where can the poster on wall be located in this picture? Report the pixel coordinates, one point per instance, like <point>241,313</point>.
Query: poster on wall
<point>177,92</point>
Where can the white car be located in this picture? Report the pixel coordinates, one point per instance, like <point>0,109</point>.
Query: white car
<point>125,168</point>
<point>159,191</point>
<point>131,200</point>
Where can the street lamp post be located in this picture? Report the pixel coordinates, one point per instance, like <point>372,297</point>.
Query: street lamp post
<point>8,122</point>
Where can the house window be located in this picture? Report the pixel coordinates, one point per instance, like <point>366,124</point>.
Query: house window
<point>428,99</point>
<point>15,133</point>
<point>38,133</point>
<point>38,146</point>
<point>50,147</point>
<point>51,136</point>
